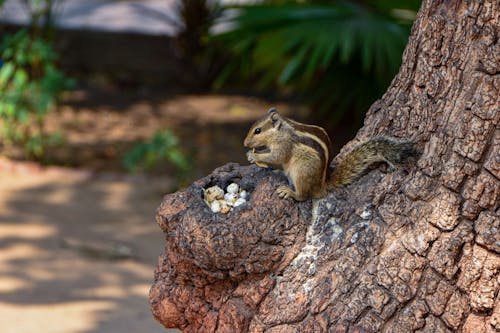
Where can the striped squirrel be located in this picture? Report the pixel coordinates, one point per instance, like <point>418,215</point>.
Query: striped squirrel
<point>304,153</point>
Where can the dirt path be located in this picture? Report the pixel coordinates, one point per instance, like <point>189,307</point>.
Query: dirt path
<point>62,234</point>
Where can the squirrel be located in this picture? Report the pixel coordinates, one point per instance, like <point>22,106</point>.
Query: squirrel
<point>304,153</point>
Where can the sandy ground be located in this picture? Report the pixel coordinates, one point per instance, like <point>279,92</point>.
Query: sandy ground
<point>77,251</point>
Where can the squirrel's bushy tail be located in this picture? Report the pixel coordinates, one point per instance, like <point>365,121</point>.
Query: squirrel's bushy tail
<point>377,149</point>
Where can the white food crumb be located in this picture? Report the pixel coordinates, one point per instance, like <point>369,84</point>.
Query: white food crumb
<point>214,193</point>
<point>238,202</point>
<point>225,208</point>
<point>230,197</point>
<point>218,201</point>
<point>232,188</point>
<point>215,206</point>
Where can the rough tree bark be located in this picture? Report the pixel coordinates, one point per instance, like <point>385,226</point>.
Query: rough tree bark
<point>416,250</point>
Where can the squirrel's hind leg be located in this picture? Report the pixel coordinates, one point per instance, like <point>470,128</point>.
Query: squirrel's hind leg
<point>305,181</point>
<point>286,192</point>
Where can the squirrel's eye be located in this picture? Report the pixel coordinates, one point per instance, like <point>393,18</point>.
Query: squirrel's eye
<point>257,130</point>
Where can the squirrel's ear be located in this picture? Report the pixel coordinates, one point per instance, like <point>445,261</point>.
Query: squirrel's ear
<point>275,119</point>
<point>272,110</point>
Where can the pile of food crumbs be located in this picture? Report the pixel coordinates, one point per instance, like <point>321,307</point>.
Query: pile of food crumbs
<point>218,201</point>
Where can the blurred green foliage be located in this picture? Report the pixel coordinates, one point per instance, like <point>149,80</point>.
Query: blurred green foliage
<point>162,147</point>
<point>30,86</point>
<point>30,83</point>
<point>336,55</point>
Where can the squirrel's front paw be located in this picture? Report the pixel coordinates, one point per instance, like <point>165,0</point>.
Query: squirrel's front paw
<point>285,192</point>
<point>250,156</point>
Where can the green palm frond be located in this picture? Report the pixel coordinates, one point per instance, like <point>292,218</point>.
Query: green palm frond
<point>306,46</point>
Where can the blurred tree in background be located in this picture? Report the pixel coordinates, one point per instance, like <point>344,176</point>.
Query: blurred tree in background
<point>202,61</point>
<point>30,82</point>
<point>337,56</point>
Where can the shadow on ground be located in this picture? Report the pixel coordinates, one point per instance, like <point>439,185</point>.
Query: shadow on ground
<point>77,251</point>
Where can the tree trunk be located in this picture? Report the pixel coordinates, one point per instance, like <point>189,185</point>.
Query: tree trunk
<point>415,250</point>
